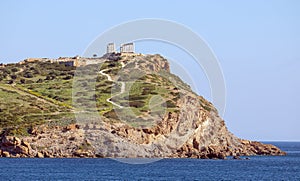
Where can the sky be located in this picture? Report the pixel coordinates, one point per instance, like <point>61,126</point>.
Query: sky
<point>256,42</point>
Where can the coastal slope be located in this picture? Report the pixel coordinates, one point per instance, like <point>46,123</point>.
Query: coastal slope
<point>116,106</point>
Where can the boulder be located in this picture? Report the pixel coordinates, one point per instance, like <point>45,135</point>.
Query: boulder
<point>21,150</point>
<point>39,155</point>
<point>5,154</point>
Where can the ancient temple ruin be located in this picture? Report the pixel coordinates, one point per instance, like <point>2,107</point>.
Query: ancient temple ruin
<point>124,48</point>
<point>127,48</point>
<point>111,48</point>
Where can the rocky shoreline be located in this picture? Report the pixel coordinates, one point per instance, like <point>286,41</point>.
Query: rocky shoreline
<point>78,146</point>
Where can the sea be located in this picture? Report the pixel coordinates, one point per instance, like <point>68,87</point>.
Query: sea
<point>255,168</point>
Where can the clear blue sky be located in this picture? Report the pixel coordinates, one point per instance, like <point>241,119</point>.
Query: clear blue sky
<point>256,42</point>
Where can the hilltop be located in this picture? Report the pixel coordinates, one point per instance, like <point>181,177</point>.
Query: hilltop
<point>119,105</point>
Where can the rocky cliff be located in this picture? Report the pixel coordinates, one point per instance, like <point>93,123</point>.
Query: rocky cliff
<point>147,112</point>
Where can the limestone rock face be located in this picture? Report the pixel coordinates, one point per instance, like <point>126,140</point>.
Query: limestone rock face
<point>192,133</point>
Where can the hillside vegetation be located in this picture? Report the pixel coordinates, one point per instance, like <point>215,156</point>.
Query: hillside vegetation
<point>35,93</point>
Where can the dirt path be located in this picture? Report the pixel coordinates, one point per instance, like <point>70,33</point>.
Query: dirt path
<point>108,76</point>
<point>122,86</point>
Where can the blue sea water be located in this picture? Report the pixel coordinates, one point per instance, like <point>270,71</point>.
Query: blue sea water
<point>257,168</point>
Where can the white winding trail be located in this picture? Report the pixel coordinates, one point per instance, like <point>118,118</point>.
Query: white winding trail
<point>122,86</point>
<point>108,76</point>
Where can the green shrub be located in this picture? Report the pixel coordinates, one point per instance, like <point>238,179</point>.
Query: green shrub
<point>14,77</point>
<point>111,115</point>
<point>22,81</point>
<point>137,104</point>
<point>39,81</point>
<point>170,104</point>
<point>1,77</point>
<point>68,77</point>
<point>14,69</point>
<point>28,75</point>
<point>50,77</point>
<point>29,81</point>
<point>6,72</point>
